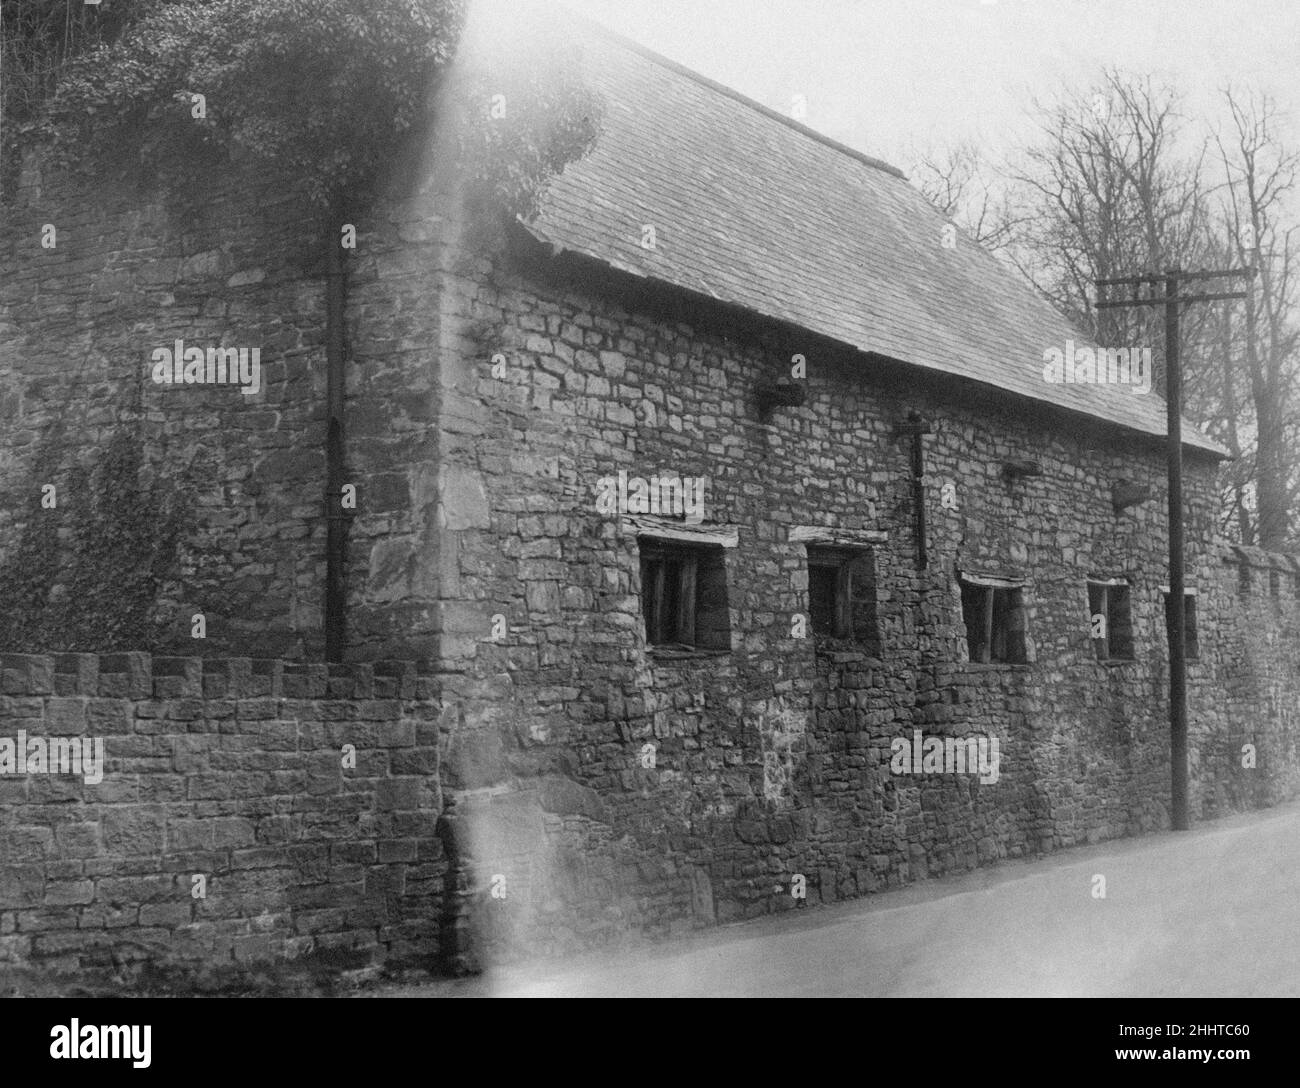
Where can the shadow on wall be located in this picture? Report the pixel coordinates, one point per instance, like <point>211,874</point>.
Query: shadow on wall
<point>95,550</point>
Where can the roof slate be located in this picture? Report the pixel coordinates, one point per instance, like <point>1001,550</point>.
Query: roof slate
<point>754,210</point>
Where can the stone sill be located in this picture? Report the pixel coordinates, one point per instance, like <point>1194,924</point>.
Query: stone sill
<point>664,656</point>
<point>996,666</point>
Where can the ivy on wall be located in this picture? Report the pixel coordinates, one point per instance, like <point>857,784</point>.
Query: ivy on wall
<point>315,95</point>
<point>93,554</point>
<point>310,99</point>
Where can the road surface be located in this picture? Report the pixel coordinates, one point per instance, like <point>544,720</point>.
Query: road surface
<point>1214,912</point>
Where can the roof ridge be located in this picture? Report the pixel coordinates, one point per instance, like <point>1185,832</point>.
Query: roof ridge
<point>858,276</point>
<point>732,93</point>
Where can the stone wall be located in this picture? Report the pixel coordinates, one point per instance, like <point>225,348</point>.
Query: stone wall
<point>1246,693</point>
<point>234,265</point>
<point>771,760</point>
<point>232,770</point>
<point>591,789</point>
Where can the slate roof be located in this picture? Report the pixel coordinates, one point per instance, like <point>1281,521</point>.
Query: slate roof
<point>753,209</point>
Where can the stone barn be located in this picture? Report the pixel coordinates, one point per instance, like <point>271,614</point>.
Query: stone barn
<point>730,536</point>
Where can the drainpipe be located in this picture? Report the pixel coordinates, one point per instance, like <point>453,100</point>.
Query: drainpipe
<point>915,427</point>
<point>335,520</point>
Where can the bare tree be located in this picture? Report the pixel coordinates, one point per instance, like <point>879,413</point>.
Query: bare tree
<point>961,184</point>
<point>1113,185</point>
<point>1258,171</point>
<point>1107,191</point>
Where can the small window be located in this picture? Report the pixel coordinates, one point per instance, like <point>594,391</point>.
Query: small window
<point>842,593</point>
<point>1111,620</point>
<point>684,595</point>
<point>828,597</point>
<point>1243,579</point>
<point>1275,585</point>
<point>995,622</point>
<point>1191,640</point>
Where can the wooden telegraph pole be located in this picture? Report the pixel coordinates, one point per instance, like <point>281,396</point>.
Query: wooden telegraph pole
<point>1172,299</point>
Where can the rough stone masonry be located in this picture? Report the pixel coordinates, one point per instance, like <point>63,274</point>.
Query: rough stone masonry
<point>253,813</point>
<point>554,771</point>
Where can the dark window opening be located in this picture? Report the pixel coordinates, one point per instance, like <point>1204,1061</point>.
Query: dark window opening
<point>842,593</point>
<point>995,623</point>
<point>1275,585</point>
<point>1191,639</point>
<point>1111,620</point>
<point>824,599</point>
<point>684,595</point>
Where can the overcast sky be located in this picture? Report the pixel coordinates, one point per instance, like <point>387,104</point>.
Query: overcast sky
<point>884,76</point>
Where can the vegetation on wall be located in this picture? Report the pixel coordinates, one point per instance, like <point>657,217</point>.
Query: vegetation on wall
<point>315,94</point>
<point>310,99</point>
<point>96,547</point>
